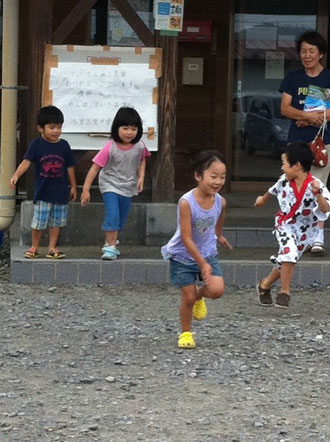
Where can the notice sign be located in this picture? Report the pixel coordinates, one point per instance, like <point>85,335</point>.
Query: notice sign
<point>274,66</point>
<point>90,83</point>
<point>169,15</point>
<point>90,95</point>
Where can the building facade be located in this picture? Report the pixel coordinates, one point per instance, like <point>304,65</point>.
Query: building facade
<point>219,88</point>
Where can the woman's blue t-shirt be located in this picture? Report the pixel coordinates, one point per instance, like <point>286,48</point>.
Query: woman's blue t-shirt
<point>296,84</point>
<point>51,162</point>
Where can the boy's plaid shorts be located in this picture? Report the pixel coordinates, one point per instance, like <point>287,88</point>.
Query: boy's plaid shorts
<point>49,215</point>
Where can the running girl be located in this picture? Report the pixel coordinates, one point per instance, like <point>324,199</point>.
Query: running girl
<point>192,251</point>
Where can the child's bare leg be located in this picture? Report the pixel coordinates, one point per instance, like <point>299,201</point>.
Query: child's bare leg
<point>54,233</point>
<point>269,280</point>
<point>111,237</point>
<point>188,298</point>
<point>286,276</point>
<point>35,238</point>
<point>213,290</point>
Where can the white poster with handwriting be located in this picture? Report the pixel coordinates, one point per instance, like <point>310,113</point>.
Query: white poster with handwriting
<point>90,95</point>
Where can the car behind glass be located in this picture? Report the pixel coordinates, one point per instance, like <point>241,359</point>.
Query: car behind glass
<point>265,129</point>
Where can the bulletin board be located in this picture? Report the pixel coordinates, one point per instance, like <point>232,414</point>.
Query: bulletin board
<point>90,83</point>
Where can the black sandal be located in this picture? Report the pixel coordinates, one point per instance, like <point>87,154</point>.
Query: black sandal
<point>264,296</point>
<point>282,300</point>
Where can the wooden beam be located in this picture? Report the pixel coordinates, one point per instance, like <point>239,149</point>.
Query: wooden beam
<point>135,22</point>
<point>223,85</point>
<point>71,20</point>
<point>163,172</point>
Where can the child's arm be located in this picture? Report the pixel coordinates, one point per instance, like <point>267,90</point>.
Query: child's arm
<point>220,223</point>
<point>22,168</point>
<point>185,227</point>
<point>141,174</point>
<point>73,183</point>
<point>262,200</point>
<point>219,226</point>
<point>85,196</point>
<point>321,201</point>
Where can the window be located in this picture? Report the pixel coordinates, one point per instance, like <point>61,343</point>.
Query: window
<point>265,37</point>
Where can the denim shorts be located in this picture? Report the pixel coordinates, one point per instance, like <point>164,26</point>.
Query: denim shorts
<point>116,208</point>
<point>49,215</point>
<point>187,274</point>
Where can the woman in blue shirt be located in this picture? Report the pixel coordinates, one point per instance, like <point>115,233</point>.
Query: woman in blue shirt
<point>311,47</point>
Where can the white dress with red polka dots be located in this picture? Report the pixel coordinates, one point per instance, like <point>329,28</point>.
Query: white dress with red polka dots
<point>296,222</point>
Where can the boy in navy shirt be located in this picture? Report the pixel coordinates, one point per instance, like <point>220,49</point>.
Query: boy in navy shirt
<point>54,170</point>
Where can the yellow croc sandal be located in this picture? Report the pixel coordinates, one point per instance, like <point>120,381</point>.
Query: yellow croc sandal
<point>200,309</point>
<point>186,340</point>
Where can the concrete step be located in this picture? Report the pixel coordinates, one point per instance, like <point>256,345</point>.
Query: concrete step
<point>154,225</point>
<point>249,230</point>
<point>142,264</point>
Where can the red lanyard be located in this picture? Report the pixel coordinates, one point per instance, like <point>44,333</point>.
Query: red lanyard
<point>299,196</point>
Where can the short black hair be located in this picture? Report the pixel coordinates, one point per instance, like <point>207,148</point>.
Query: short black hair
<point>126,116</point>
<point>313,38</point>
<point>48,115</point>
<point>204,160</point>
<point>299,153</point>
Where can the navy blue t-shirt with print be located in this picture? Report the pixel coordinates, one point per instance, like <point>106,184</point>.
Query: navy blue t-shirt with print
<point>51,161</point>
<point>296,84</point>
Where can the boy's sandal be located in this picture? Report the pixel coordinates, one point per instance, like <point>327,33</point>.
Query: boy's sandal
<point>318,249</point>
<point>264,296</point>
<point>282,300</point>
<point>186,340</point>
<point>55,254</point>
<point>31,253</point>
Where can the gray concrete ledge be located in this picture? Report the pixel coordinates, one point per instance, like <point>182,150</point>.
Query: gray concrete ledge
<point>148,224</point>
<point>150,271</point>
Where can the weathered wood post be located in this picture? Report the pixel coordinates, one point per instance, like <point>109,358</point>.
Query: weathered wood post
<point>36,20</point>
<point>163,173</point>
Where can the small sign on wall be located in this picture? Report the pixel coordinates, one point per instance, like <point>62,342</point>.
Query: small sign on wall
<point>274,65</point>
<point>192,71</point>
<point>168,15</point>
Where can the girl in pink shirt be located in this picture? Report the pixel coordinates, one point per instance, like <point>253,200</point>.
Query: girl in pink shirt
<point>121,163</point>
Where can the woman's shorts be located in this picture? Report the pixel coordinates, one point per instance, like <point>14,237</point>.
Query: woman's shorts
<point>49,215</point>
<point>186,274</point>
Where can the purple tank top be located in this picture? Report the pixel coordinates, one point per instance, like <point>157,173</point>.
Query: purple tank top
<point>203,224</point>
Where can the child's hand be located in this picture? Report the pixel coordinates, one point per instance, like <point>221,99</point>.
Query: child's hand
<point>85,197</point>
<point>224,243</point>
<point>140,184</point>
<point>315,187</point>
<point>260,201</point>
<point>206,272</point>
<point>73,194</point>
<point>13,181</point>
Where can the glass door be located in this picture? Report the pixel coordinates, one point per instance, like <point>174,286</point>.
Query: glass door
<point>265,51</point>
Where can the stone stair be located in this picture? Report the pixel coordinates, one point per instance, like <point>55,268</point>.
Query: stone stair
<point>248,229</point>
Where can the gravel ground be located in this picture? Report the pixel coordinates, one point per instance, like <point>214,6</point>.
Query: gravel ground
<point>98,363</point>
